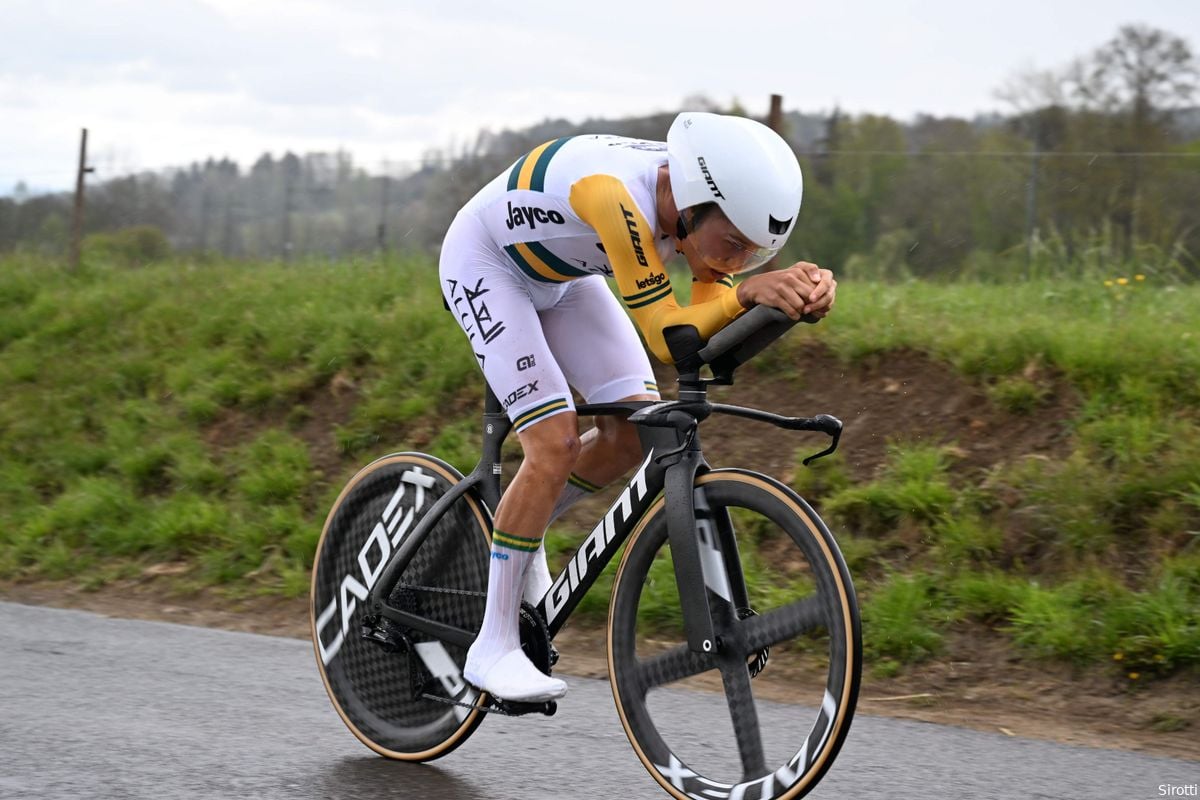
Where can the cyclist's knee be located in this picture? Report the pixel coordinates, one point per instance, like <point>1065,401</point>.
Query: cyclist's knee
<point>552,445</point>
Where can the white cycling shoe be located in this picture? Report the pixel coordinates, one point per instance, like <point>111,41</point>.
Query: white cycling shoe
<point>513,677</point>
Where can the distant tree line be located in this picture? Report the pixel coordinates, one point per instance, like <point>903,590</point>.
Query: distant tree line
<point>1098,160</point>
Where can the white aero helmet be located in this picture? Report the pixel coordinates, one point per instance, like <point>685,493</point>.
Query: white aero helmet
<point>744,167</point>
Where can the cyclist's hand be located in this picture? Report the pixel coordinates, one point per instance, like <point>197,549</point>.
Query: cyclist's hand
<point>803,288</point>
<point>820,300</point>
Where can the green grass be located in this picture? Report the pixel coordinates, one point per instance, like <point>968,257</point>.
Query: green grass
<point>913,489</point>
<point>1141,353</point>
<point>166,413</point>
<point>902,618</point>
<point>1020,549</point>
<point>151,413</point>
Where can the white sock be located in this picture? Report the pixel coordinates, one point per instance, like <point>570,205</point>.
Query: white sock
<point>495,662</point>
<point>538,579</point>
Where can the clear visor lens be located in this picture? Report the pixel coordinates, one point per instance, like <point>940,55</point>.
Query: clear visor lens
<point>724,251</point>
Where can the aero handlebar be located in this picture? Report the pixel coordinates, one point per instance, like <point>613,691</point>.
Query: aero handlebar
<point>746,337</point>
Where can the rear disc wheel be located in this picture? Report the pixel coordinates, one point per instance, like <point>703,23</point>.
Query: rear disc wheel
<point>380,693</point>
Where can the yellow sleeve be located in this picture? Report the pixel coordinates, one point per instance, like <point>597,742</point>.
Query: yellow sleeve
<point>603,202</point>
<point>705,292</point>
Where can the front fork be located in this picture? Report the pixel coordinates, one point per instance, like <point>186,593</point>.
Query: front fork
<point>704,551</point>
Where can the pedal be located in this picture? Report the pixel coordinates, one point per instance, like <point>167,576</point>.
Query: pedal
<point>510,709</point>
<point>498,706</point>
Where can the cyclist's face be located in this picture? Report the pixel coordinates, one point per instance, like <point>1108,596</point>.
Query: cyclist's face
<point>715,248</point>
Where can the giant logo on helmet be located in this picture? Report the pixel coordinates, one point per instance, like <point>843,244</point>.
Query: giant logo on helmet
<point>709,178</point>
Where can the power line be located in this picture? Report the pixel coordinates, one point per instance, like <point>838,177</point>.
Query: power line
<point>1000,153</point>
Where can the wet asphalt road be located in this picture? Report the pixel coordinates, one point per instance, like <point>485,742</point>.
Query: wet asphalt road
<point>105,708</point>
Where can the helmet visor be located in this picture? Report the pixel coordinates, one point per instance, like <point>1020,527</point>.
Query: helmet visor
<point>720,245</point>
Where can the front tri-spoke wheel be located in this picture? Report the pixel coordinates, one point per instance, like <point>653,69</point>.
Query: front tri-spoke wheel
<point>773,702</point>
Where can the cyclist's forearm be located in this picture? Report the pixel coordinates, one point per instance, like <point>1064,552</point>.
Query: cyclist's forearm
<point>703,292</point>
<point>606,205</point>
<point>706,318</point>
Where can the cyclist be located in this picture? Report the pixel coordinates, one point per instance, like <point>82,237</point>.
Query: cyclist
<point>522,267</point>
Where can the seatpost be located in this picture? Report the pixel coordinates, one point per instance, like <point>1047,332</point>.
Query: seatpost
<point>496,426</point>
<point>491,403</point>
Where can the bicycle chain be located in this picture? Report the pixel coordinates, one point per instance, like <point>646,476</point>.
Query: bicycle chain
<point>458,703</point>
<point>440,590</point>
<point>491,708</point>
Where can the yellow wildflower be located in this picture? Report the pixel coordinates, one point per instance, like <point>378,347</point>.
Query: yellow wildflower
<point>1122,281</point>
<point>1139,277</point>
<point>1118,656</point>
<point>1108,283</point>
<point>1133,676</point>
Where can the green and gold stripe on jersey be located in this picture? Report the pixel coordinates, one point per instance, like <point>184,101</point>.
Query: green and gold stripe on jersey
<point>539,412</point>
<point>522,543</point>
<point>647,297</point>
<point>530,171</point>
<point>533,258</point>
<point>726,281</point>
<point>651,386</point>
<point>536,261</point>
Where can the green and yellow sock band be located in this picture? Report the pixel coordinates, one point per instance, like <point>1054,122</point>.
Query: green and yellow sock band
<point>508,540</point>
<point>581,483</point>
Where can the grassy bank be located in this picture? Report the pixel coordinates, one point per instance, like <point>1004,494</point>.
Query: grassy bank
<point>179,415</point>
<point>1093,557</point>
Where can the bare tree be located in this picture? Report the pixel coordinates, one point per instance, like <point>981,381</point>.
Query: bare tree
<point>1032,89</point>
<point>1134,80</point>
<point>1141,71</point>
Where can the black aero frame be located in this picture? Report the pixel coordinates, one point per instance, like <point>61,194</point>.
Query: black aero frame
<point>673,461</point>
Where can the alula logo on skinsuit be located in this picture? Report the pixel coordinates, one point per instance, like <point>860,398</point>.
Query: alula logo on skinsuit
<point>531,216</point>
<point>634,236</point>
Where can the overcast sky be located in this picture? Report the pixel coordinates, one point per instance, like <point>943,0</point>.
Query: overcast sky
<point>166,82</point>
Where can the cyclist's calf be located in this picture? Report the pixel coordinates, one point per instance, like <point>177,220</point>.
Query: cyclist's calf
<point>617,439</point>
<point>610,449</point>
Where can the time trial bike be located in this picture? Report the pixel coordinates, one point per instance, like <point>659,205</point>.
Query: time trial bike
<point>725,576</point>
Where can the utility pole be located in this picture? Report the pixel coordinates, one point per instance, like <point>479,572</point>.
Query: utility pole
<point>775,117</point>
<point>775,123</point>
<point>288,188</point>
<point>227,226</point>
<point>381,231</point>
<point>1031,212</point>
<point>204,215</point>
<point>77,216</point>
